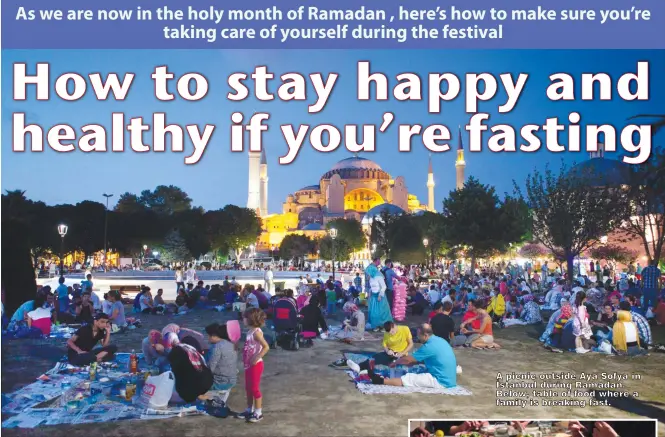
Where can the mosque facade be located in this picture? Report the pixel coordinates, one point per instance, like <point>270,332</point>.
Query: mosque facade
<point>353,188</point>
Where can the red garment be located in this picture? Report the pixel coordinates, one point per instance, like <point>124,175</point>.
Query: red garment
<point>253,380</point>
<point>503,288</point>
<point>431,314</point>
<point>470,315</point>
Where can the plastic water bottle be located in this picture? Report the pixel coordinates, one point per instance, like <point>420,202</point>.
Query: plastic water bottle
<point>133,362</point>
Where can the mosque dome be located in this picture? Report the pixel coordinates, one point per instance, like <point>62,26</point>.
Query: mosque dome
<point>309,188</point>
<point>356,167</point>
<point>375,213</point>
<point>602,172</point>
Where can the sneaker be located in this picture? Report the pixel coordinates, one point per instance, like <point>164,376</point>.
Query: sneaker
<point>581,350</point>
<point>340,363</point>
<point>255,418</point>
<point>353,366</point>
<point>246,415</point>
<point>459,370</point>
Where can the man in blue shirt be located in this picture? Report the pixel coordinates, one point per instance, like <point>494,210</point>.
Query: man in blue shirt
<point>389,274</point>
<point>438,357</point>
<point>62,292</point>
<point>650,285</point>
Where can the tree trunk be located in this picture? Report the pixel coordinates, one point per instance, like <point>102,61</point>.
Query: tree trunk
<point>570,267</point>
<point>473,264</point>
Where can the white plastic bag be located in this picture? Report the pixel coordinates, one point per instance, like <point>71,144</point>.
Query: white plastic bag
<point>158,390</point>
<point>650,314</point>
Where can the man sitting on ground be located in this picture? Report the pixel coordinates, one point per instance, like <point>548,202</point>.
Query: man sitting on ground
<point>397,343</point>
<point>442,324</point>
<point>438,357</point>
<point>80,347</point>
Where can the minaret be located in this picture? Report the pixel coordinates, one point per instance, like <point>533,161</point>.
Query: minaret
<point>430,187</point>
<point>263,176</point>
<point>460,165</point>
<point>253,193</point>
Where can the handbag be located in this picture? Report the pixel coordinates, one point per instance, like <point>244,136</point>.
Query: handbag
<point>157,390</point>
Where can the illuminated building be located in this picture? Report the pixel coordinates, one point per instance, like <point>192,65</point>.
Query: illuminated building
<point>354,187</point>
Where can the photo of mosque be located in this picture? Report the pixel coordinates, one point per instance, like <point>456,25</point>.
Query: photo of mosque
<point>354,188</point>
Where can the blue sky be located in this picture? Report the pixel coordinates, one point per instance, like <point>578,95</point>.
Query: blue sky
<point>220,177</point>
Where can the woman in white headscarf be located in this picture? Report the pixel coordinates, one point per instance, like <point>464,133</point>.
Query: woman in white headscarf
<point>379,309</point>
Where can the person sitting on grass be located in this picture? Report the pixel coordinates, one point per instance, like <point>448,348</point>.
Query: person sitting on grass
<point>438,357</point>
<point>442,324</point>
<point>117,316</point>
<point>153,350</point>
<point>486,339</point>
<point>643,327</point>
<point>222,360</point>
<point>85,311</point>
<point>313,317</point>
<point>146,302</point>
<point>397,342</point>
<point>625,336</point>
<point>192,376</point>
<point>80,346</point>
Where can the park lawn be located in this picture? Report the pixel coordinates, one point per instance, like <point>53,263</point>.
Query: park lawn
<point>303,396</point>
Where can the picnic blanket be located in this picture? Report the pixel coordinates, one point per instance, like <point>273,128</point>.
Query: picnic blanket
<point>334,331</point>
<point>38,404</point>
<point>366,387</point>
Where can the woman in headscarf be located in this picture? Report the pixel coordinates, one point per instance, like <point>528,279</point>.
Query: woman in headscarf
<point>531,312</point>
<point>193,378</point>
<point>565,313</point>
<point>313,317</point>
<point>625,335</point>
<point>196,339</point>
<point>354,326</point>
<point>154,352</point>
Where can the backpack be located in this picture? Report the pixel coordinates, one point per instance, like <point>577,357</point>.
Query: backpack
<point>137,302</point>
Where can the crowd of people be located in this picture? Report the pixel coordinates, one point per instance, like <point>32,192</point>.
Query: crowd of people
<point>610,317</point>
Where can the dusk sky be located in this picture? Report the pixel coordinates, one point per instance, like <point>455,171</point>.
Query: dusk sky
<point>220,177</point>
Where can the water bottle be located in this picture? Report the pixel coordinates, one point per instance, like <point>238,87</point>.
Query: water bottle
<point>133,362</point>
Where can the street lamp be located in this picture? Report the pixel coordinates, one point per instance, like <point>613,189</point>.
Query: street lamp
<point>106,224</point>
<point>272,251</point>
<point>333,236</point>
<point>145,248</point>
<point>155,253</point>
<point>425,243</point>
<point>62,230</point>
<point>318,254</point>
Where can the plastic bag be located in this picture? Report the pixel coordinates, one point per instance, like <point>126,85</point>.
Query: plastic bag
<point>157,390</point>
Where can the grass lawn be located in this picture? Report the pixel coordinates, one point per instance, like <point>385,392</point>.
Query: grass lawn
<point>303,396</point>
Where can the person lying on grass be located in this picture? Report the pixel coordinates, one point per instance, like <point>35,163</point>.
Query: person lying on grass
<point>438,357</point>
<point>397,342</point>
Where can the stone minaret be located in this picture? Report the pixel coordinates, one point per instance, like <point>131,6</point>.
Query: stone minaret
<point>430,187</point>
<point>254,190</point>
<point>263,176</point>
<point>460,165</point>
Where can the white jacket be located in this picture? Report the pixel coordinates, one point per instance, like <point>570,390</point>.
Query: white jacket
<point>378,285</point>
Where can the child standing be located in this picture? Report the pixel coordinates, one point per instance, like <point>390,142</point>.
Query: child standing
<point>331,299</point>
<point>252,357</point>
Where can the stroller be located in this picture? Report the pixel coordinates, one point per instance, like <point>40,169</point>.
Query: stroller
<point>286,324</point>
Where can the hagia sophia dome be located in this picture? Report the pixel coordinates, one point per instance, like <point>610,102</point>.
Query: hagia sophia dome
<point>599,171</point>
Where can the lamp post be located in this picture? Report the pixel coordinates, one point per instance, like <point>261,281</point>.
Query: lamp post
<point>425,243</point>
<point>106,224</point>
<point>318,255</point>
<point>145,248</point>
<point>333,236</point>
<point>62,230</point>
<point>272,251</point>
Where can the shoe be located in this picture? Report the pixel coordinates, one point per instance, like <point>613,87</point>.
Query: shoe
<point>244,415</point>
<point>340,363</point>
<point>581,350</point>
<point>353,366</point>
<point>459,370</point>
<point>255,418</point>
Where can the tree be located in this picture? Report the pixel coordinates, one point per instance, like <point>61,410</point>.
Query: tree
<point>569,214</point>
<point>296,247</point>
<point>533,250</point>
<point>129,203</point>
<point>431,227</point>
<point>614,254</point>
<point>166,200</point>
<point>174,248</point>
<point>241,227</point>
<point>644,205</point>
<point>336,250</point>
<point>380,232</point>
<point>18,274</point>
<point>191,225</point>
<point>475,217</point>
<point>406,245</point>
<point>351,232</point>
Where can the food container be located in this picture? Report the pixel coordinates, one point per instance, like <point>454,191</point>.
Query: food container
<point>130,391</point>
